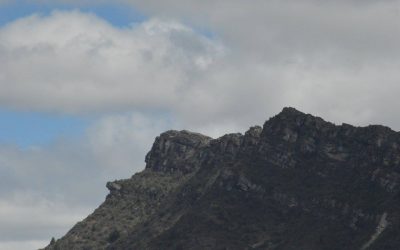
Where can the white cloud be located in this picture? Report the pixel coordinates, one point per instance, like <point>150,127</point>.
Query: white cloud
<point>27,216</point>
<point>122,141</point>
<point>77,62</point>
<point>18,245</point>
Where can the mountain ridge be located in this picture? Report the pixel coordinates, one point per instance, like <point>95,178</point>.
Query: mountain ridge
<point>298,182</point>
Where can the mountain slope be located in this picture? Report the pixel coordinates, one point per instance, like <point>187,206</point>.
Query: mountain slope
<point>297,183</point>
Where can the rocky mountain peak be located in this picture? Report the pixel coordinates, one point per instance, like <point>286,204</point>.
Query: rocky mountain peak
<point>290,112</point>
<point>299,182</point>
<point>172,148</point>
<point>252,136</point>
<point>291,117</point>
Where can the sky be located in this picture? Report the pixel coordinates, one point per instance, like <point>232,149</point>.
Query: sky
<point>86,86</point>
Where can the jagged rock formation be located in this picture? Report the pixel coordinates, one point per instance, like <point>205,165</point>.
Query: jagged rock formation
<point>297,183</point>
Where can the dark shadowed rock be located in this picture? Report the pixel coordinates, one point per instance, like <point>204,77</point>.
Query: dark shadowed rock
<point>172,150</point>
<point>297,183</point>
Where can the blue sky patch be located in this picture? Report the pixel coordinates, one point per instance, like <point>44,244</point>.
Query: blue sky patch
<point>26,129</point>
<point>117,14</point>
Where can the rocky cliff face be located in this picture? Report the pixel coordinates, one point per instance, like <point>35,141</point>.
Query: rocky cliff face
<point>297,183</point>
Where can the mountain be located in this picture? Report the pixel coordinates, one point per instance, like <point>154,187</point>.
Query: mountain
<point>298,183</point>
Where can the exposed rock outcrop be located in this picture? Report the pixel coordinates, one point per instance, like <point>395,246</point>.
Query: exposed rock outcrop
<point>298,182</point>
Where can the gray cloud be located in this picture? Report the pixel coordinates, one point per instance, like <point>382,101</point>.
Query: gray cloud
<point>335,33</point>
<point>338,59</point>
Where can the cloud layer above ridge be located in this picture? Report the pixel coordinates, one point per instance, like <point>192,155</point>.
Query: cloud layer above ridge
<point>338,59</point>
